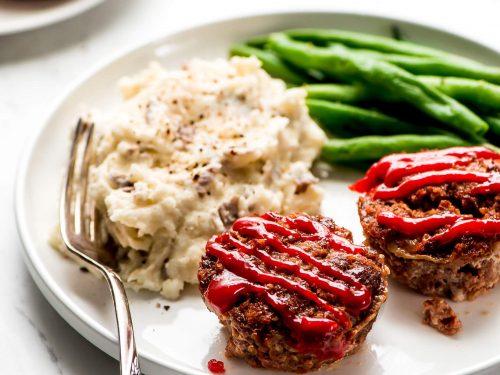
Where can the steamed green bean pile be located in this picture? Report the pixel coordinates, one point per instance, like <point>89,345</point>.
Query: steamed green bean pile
<point>375,95</point>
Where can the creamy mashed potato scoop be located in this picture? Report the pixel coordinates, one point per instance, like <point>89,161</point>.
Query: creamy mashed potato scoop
<point>187,152</point>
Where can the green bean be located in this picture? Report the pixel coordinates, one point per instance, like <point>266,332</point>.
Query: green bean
<point>381,76</point>
<point>446,61</point>
<point>345,93</point>
<point>438,67</point>
<point>444,67</point>
<point>258,41</point>
<point>345,120</point>
<point>270,63</point>
<point>483,94</point>
<point>360,40</point>
<point>374,147</point>
<point>480,93</point>
<point>380,102</point>
<point>424,65</point>
<point>494,123</point>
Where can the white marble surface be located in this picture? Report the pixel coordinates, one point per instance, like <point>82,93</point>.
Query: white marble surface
<point>36,66</point>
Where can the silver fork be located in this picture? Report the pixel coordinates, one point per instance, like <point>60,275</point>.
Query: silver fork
<point>80,229</point>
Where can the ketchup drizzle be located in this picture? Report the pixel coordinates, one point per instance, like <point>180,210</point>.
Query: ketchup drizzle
<point>425,179</point>
<point>415,226</point>
<point>216,367</point>
<point>317,232</point>
<point>358,297</point>
<point>392,168</point>
<point>432,168</point>
<point>490,187</point>
<point>249,239</point>
<point>240,266</point>
<point>468,227</point>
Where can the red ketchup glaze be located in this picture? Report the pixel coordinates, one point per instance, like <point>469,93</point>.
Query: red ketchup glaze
<point>415,226</point>
<point>382,181</point>
<point>357,298</point>
<point>420,180</point>
<point>216,367</point>
<point>390,169</point>
<point>490,187</point>
<point>242,277</point>
<point>317,232</point>
<point>459,226</point>
<point>468,227</point>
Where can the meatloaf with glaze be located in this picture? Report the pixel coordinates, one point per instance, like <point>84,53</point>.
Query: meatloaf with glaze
<point>293,292</point>
<point>440,234</point>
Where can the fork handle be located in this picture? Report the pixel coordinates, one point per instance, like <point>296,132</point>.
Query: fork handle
<point>129,360</point>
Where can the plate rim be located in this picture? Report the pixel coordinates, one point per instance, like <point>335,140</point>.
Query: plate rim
<point>76,9</point>
<point>85,326</point>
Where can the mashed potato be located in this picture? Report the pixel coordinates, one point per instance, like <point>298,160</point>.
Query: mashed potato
<point>189,151</point>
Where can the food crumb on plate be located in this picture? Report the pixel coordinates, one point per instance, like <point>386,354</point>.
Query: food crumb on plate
<point>439,315</point>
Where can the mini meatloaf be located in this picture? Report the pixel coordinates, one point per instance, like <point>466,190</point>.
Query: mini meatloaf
<point>293,291</point>
<point>435,215</point>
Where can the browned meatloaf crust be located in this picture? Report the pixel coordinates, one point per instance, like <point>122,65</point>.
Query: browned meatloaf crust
<point>257,332</point>
<point>460,270</point>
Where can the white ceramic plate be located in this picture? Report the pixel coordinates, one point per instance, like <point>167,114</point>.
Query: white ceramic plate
<point>187,336</point>
<point>22,15</point>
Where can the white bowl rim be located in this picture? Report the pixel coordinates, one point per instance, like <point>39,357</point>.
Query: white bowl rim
<point>73,11</point>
